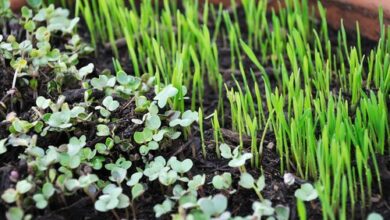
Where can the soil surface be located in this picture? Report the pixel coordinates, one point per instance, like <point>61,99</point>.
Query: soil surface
<point>80,206</point>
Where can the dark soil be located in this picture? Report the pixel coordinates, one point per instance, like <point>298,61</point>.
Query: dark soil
<point>80,206</point>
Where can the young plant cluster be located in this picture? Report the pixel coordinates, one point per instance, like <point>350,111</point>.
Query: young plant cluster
<point>38,66</point>
<point>329,117</point>
<point>323,102</point>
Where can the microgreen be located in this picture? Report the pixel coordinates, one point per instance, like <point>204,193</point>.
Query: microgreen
<point>110,103</point>
<point>187,118</point>
<point>306,192</point>
<point>263,208</point>
<point>197,182</point>
<point>102,82</point>
<point>223,181</point>
<point>166,93</point>
<point>143,136</point>
<point>102,130</point>
<point>180,166</point>
<point>237,159</point>
<point>324,107</point>
<point>374,216</point>
<point>112,198</point>
<point>75,145</point>
<point>3,147</point>
<point>213,206</point>
<point>163,208</point>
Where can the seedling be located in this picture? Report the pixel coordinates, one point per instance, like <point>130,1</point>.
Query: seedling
<point>374,216</point>
<point>223,181</point>
<point>163,208</point>
<point>263,208</point>
<point>325,105</point>
<point>214,206</point>
<point>197,182</point>
<point>113,198</point>
<point>166,93</point>
<point>306,192</point>
<point>187,118</point>
<point>237,159</point>
<point>180,166</point>
<point>248,182</point>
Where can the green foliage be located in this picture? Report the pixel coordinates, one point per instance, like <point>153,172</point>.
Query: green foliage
<point>223,181</point>
<point>213,206</point>
<point>237,159</point>
<point>325,104</point>
<point>163,208</point>
<point>306,192</point>
<point>112,198</point>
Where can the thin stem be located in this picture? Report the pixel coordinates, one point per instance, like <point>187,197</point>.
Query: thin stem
<point>115,214</point>
<point>133,211</point>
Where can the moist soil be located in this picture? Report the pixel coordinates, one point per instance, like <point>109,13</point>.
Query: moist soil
<point>79,206</point>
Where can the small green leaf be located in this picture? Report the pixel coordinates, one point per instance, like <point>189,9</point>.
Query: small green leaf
<point>118,174</point>
<point>42,34</point>
<point>306,192</point>
<point>104,202</point>
<point>164,208</point>
<point>282,212</point>
<point>247,181</point>
<point>186,120</point>
<point>260,183</point>
<point>160,134</point>
<point>40,201</point>
<point>263,208</point>
<point>26,12</point>
<point>197,182</point>
<point>48,190</point>
<point>153,122</point>
<point>142,137</point>
<point>213,206</point>
<point>72,184</point>
<point>30,26</point>
<point>166,93</point>
<point>3,148</point>
<point>76,144</point>
<point>127,80</point>
<point>240,160</point>
<point>34,3</point>
<point>223,181</point>
<point>103,130</point>
<point>23,186</point>
<point>102,82</point>
<point>134,179</point>
<point>9,195</point>
<point>144,149</point>
<point>124,201</point>
<point>42,102</point>
<point>180,166</point>
<point>84,71</point>
<point>110,103</point>
<point>168,178</point>
<point>220,203</point>
<point>15,213</point>
<point>87,180</point>
<point>226,151</point>
<point>137,190</point>
<point>60,120</point>
<point>374,216</point>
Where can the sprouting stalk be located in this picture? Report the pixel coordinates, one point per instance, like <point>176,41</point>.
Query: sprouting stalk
<point>261,146</point>
<point>301,209</point>
<point>216,133</point>
<point>201,130</point>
